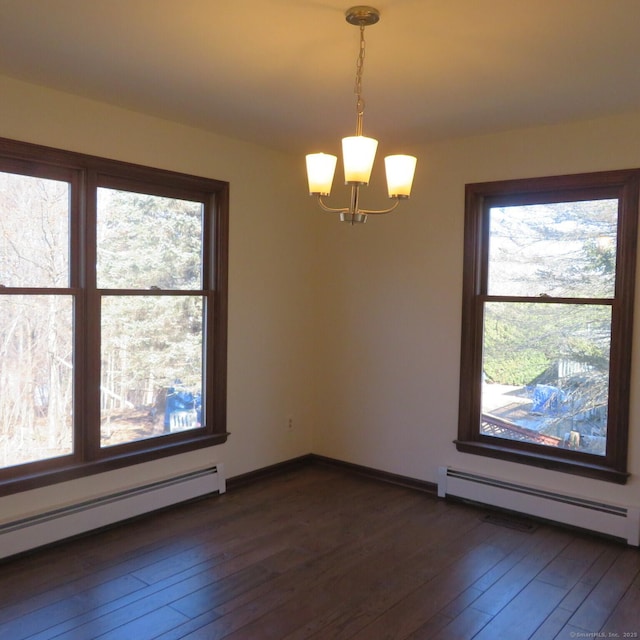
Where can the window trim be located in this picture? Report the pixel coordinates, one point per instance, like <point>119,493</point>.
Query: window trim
<point>479,198</point>
<point>86,173</point>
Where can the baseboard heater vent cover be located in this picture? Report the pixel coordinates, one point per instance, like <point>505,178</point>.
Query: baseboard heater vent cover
<point>613,520</point>
<point>44,528</point>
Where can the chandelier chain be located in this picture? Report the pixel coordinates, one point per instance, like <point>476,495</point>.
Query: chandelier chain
<point>358,84</point>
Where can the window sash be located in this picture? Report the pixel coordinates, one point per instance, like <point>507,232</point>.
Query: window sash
<point>480,198</point>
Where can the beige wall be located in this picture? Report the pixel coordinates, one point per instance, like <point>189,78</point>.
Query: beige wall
<point>390,365</point>
<point>271,293</point>
<point>352,331</point>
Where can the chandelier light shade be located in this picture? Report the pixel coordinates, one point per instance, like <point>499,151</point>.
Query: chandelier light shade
<point>320,170</point>
<point>358,154</point>
<point>400,170</point>
<point>358,151</point>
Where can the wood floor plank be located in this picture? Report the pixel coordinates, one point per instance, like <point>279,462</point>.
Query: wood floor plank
<point>463,627</point>
<point>553,625</point>
<point>150,626</point>
<point>522,616</point>
<point>459,604</point>
<point>566,569</point>
<point>590,579</point>
<point>521,574</point>
<point>107,620</point>
<point>594,611</point>
<point>625,618</point>
<point>23,626</point>
<point>510,560</point>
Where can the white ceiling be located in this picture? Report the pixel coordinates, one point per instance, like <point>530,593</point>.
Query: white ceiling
<point>281,72</point>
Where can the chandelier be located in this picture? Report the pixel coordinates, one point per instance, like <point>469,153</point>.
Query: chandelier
<point>358,152</point>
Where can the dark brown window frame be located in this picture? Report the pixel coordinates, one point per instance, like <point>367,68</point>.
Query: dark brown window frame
<point>479,198</point>
<point>86,173</point>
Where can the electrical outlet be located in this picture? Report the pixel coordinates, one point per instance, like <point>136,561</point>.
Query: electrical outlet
<point>290,424</point>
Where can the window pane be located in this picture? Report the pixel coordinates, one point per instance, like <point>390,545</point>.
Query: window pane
<point>546,374</point>
<point>564,249</point>
<point>151,379</point>
<point>36,378</point>
<point>148,241</point>
<point>34,232</point>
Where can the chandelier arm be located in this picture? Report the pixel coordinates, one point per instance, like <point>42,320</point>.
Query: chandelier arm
<point>324,207</point>
<point>356,210</point>
<point>380,211</point>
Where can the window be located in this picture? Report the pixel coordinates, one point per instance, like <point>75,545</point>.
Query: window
<point>112,314</point>
<point>549,269</point>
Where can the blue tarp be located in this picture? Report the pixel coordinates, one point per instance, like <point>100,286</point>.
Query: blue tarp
<point>547,399</point>
<point>179,401</point>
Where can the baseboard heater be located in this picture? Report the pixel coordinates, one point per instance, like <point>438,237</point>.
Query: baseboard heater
<point>52,526</point>
<point>613,520</point>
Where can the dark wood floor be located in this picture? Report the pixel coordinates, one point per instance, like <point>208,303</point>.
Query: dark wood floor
<point>321,553</point>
